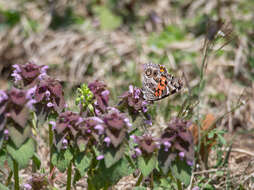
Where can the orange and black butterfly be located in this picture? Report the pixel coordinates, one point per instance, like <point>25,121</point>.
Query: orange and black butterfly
<point>158,83</point>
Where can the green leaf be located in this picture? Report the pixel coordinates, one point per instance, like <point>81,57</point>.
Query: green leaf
<point>19,136</point>
<point>147,164</point>
<point>62,159</point>
<point>182,171</point>
<point>82,162</point>
<point>105,177</point>
<point>3,187</point>
<point>222,139</point>
<point>112,155</point>
<point>22,154</point>
<point>108,20</point>
<point>2,157</point>
<point>36,160</point>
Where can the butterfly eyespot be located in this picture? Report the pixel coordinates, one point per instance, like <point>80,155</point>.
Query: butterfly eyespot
<point>148,72</point>
<point>155,73</point>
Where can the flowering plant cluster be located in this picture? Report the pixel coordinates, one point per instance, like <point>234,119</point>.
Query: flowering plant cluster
<point>98,140</point>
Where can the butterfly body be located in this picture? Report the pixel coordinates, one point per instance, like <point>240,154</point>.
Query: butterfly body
<point>158,83</point>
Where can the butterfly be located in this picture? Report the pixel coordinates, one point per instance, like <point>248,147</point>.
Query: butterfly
<point>158,83</point>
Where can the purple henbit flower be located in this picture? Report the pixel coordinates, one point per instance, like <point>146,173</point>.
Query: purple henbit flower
<point>181,154</point>
<point>64,144</point>
<point>115,126</point>
<point>107,141</point>
<point>138,151</point>
<point>31,92</point>
<point>27,186</point>
<point>100,129</point>
<point>167,145</point>
<point>30,104</point>
<point>17,77</point>
<point>147,144</point>
<point>127,121</point>
<point>44,69</point>
<point>134,138</point>
<point>133,101</point>
<point>49,91</point>
<point>53,124</point>
<point>190,163</point>
<point>42,76</point>
<point>195,188</point>
<point>50,104</point>
<point>17,68</point>
<point>148,122</point>
<point>181,139</point>
<point>6,134</point>
<point>29,73</point>
<point>100,157</point>
<point>131,89</point>
<point>3,96</point>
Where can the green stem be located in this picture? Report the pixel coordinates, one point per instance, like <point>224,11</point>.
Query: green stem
<point>139,179</point>
<point>50,147</point>
<point>68,186</point>
<point>16,174</point>
<point>9,179</point>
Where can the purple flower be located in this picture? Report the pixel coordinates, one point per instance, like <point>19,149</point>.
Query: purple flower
<point>133,101</point>
<point>30,104</point>
<point>127,121</point>
<point>44,69</point>
<point>107,141</point>
<point>137,93</point>
<point>133,137</point>
<point>3,96</point>
<point>190,163</point>
<point>30,92</point>
<point>53,124</point>
<point>100,129</point>
<point>131,89</point>
<point>97,119</point>
<point>17,68</point>
<point>64,144</point>
<point>148,122</point>
<point>42,76</point>
<point>195,188</point>
<point>181,154</point>
<point>100,157</point>
<point>17,77</point>
<point>138,151</point>
<point>27,186</point>
<point>50,104</point>
<point>147,144</point>
<point>167,145</point>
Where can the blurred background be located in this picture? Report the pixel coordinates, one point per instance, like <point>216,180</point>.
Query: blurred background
<point>109,40</point>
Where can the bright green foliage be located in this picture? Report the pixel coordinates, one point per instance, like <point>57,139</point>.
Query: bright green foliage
<point>22,154</point>
<point>147,164</point>
<point>108,20</point>
<point>112,155</point>
<point>82,162</point>
<point>62,159</point>
<point>105,177</point>
<point>85,97</point>
<point>181,171</point>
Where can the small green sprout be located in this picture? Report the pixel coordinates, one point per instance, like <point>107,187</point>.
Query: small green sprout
<point>85,97</point>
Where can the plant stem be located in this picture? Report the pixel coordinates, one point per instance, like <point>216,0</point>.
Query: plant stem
<point>68,186</point>
<point>9,179</point>
<point>16,174</point>
<point>50,147</point>
<point>139,179</point>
